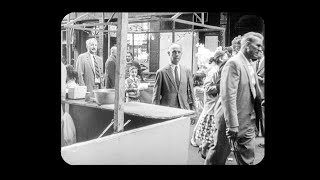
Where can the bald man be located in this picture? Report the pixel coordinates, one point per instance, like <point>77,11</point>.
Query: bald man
<point>173,84</point>
<point>110,69</point>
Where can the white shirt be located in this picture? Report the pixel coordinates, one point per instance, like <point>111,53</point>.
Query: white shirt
<point>173,66</point>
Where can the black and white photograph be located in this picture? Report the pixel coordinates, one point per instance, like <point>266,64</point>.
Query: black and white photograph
<point>162,88</point>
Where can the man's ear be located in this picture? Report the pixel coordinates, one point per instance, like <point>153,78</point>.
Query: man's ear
<point>169,53</point>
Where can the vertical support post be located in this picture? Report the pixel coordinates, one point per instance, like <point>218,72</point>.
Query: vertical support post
<point>101,45</point>
<point>223,38</point>
<point>122,31</point>
<point>173,28</point>
<point>202,18</point>
<point>68,41</point>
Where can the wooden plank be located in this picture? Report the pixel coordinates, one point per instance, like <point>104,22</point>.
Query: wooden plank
<point>198,24</point>
<point>77,19</point>
<point>138,109</point>
<point>122,31</point>
<point>89,24</point>
<point>176,15</point>
<point>101,38</point>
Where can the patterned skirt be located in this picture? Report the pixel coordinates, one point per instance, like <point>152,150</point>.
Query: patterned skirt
<point>205,129</point>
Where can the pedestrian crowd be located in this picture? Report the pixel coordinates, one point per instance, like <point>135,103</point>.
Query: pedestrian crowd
<point>228,98</point>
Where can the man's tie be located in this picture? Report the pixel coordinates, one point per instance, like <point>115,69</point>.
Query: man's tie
<point>177,76</point>
<point>257,65</point>
<point>96,67</point>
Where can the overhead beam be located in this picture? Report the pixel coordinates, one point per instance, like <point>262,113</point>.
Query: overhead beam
<point>197,16</point>
<point>198,24</point>
<point>176,16</point>
<point>77,19</point>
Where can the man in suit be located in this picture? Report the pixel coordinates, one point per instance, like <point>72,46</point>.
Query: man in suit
<point>259,68</point>
<point>110,69</point>
<point>241,101</point>
<point>89,67</point>
<point>173,85</point>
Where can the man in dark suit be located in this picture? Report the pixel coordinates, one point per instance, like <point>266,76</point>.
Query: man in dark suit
<point>89,67</point>
<point>240,102</point>
<point>259,68</point>
<point>110,69</point>
<point>173,85</point>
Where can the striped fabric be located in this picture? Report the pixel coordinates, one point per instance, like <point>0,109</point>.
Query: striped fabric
<point>96,67</point>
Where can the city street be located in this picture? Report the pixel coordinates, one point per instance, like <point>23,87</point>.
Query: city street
<point>196,159</point>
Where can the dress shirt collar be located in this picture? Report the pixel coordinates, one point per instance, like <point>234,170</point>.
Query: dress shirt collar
<point>174,66</point>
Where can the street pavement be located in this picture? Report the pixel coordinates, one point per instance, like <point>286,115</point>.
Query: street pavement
<point>195,158</point>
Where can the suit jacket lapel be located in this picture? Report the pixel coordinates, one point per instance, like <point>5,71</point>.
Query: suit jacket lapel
<point>183,77</point>
<point>170,75</point>
<point>90,62</point>
<point>252,88</point>
<point>261,66</point>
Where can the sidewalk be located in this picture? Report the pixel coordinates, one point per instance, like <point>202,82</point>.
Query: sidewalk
<point>196,159</point>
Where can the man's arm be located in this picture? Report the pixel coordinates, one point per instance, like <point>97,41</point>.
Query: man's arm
<point>230,77</point>
<point>190,91</point>
<point>210,84</point>
<point>157,89</point>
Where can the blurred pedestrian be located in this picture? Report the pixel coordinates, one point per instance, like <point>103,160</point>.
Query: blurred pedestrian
<point>72,77</point>
<point>110,69</point>
<point>211,85</point>
<point>130,62</point>
<point>236,44</point>
<point>259,68</point>
<point>198,90</point>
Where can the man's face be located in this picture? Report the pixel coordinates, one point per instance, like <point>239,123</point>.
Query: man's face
<point>93,47</point>
<point>255,48</point>
<point>175,54</point>
<point>129,57</point>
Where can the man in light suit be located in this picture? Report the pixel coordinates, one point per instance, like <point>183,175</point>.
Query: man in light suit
<point>241,98</point>
<point>173,84</point>
<point>110,69</point>
<point>89,67</point>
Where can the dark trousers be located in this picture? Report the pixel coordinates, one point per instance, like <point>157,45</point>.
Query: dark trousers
<point>220,149</point>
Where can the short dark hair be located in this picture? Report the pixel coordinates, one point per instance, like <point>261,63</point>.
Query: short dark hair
<point>198,79</point>
<point>130,53</point>
<point>132,67</point>
<point>71,73</point>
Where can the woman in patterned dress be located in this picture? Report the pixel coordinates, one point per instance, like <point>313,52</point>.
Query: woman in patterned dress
<point>205,128</point>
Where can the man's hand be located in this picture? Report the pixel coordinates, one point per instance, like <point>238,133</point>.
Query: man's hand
<point>232,133</point>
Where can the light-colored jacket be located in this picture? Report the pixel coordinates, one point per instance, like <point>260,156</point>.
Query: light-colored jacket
<point>86,70</point>
<point>211,90</point>
<point>237,94</point>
